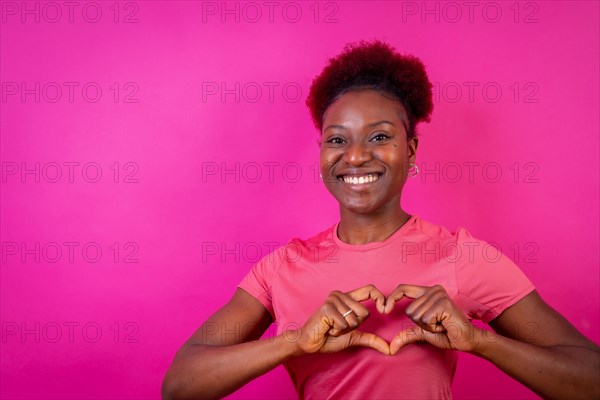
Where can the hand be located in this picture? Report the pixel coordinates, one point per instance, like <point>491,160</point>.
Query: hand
<point>328,331</point>
<point>439,321</point>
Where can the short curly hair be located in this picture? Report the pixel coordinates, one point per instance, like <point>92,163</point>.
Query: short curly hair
<point>373,65</point>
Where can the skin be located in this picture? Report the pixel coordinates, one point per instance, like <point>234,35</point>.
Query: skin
<point>530,341</point>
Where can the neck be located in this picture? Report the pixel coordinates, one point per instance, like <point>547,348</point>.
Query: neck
<point>367,228</point>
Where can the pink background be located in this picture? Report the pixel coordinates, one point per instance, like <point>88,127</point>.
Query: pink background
<point>78,329</point>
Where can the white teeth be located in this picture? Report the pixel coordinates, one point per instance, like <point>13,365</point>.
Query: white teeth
<point>359,180</point>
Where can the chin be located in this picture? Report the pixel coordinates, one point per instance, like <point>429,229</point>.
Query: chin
<point>360,208</point>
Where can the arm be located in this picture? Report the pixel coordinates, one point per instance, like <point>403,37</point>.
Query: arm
<point>533,343</point>
<point>225,353</point>
<point>537,346</point>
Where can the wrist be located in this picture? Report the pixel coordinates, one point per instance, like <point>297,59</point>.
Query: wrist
<point>484,341</point>
<point>289,341</point>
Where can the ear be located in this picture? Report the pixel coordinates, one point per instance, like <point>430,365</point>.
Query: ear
<point>412,149</point>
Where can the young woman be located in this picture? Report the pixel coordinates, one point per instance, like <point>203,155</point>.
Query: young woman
<point>377,305</point>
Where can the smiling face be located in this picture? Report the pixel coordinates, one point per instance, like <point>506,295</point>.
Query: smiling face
<point>364,151</point>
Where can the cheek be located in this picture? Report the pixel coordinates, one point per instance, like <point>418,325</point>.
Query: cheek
<point>393,156</point>
<point>327,159</point>
<point>395,159</point>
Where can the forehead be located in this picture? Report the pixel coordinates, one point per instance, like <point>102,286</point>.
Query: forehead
<point>364,106</point>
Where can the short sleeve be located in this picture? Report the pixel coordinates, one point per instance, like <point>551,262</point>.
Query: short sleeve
<point>259,280</point>
<point>488,282</point>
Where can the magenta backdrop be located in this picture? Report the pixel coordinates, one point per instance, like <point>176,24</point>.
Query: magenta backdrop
<point>153,151</point>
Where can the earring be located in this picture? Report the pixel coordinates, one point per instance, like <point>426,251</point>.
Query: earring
<point>413,170</point>
<point>320,176</point>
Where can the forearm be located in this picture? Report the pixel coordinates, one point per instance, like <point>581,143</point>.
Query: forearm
<point>552,372</point>
<point>203,371</point>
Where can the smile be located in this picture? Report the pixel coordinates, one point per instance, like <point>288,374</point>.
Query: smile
<point>360,179</point>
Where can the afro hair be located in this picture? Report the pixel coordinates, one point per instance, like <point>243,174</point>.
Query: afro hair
<point>378,66</point>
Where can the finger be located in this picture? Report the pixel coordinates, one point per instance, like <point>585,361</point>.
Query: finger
<point>411,335</point>
<point>365,339</point>
<point>419,305</point>
<point>432,320</point>
<point>358,310</point>
<point>337,325</point>
<point>428,312</point>
<point>369,292</point>
<point>344,323</point>
<point>410,291</point>
<point>331,320</point>
<point>433,310</point>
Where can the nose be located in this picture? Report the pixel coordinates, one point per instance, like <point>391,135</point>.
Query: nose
<point>357,154</point>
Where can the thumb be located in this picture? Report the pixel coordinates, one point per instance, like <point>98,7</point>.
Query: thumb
<point>365,339</point>
<point>407,336</point>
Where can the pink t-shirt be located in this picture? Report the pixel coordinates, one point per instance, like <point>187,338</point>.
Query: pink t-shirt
<point>294,280</point>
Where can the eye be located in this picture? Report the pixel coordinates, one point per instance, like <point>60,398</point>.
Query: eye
<point>335,140</point>
<point>382,136</point>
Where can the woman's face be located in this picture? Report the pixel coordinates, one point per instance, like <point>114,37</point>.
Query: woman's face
<point>364,152</point>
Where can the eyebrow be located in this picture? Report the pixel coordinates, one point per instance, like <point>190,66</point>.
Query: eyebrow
<point>372,124</point>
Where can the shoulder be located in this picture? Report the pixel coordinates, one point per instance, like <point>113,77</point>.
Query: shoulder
<point>457,246</point>
<point>323,238</point>
<point>296,248</point>
<point>429,230</point>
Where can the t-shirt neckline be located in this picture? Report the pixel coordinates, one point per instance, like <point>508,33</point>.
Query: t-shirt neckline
<point>372,245</point>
